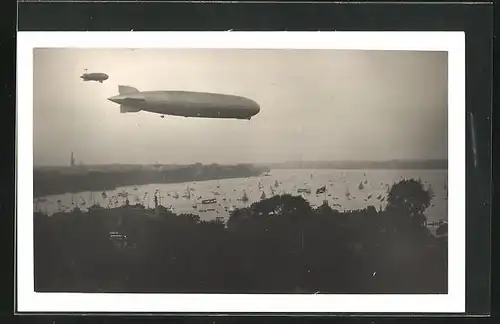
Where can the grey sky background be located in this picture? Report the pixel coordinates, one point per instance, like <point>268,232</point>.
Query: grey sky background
<point>315,105</point>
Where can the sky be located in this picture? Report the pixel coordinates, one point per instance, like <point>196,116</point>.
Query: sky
<point>315,105</point>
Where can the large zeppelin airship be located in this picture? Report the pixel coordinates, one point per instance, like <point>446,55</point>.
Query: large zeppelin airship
<point>99,77</point>
<point>185,103</point>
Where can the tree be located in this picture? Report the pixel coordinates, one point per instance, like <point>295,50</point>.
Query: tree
<point>409,197</point>
<point>442,230</point>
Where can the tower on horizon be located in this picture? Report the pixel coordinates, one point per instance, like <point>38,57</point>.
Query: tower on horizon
<point>72,160</point>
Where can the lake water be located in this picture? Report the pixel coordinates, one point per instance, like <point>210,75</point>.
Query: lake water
<point>343,192</point>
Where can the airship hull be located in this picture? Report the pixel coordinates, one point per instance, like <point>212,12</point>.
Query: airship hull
<point>188,104</point>
<point>99,77</point>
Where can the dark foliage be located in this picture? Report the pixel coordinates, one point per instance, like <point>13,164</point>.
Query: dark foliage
<point>277,245</point>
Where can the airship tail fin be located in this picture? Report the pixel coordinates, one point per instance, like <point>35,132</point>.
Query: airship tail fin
<point>127,109</point>
<point>125,90</point>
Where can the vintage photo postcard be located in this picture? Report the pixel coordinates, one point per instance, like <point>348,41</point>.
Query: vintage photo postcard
<point>287,172</point>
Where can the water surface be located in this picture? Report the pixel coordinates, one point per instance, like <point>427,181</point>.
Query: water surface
<point>343,192</point>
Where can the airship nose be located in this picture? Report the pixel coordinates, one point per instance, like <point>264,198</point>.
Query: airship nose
<point>255,108</point>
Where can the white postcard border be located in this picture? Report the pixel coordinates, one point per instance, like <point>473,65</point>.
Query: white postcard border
<point>453,302</point>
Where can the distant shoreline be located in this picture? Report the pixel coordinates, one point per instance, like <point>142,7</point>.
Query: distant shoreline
<point>363,165</point>
<point>433,164</point>
<point>363,169</point>
<point>72,180</point>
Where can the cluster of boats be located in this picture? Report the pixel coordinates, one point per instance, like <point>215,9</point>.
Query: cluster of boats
<point>219,202</point>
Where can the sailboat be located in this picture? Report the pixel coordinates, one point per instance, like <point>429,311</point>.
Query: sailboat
<point>187,194</point>
<point>263,196</point>
<point>245,197</point>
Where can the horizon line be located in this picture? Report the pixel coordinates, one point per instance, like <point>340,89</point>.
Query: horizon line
<point>247,163</point>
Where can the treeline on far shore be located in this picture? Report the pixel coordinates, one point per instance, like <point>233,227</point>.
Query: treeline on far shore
<point>71,180</point>
<point>276,245</point>
<point>365,165</point>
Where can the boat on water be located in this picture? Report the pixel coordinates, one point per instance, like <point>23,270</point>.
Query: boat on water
<point>123,194</point>
<point>321,190</point>
<point>304,190</point>
<point>209,201</point>
<point>187,194</point>
<point>361,187</point>
<point>244,198</point>
<point>263,196</point>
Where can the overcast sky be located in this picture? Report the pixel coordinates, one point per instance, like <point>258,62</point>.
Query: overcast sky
<point>315,105</point>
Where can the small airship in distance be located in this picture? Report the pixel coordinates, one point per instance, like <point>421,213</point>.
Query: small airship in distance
<point>185,103</point>
<point>99,77</point>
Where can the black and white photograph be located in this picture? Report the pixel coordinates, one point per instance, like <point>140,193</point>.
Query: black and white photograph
<point>304,171</point>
